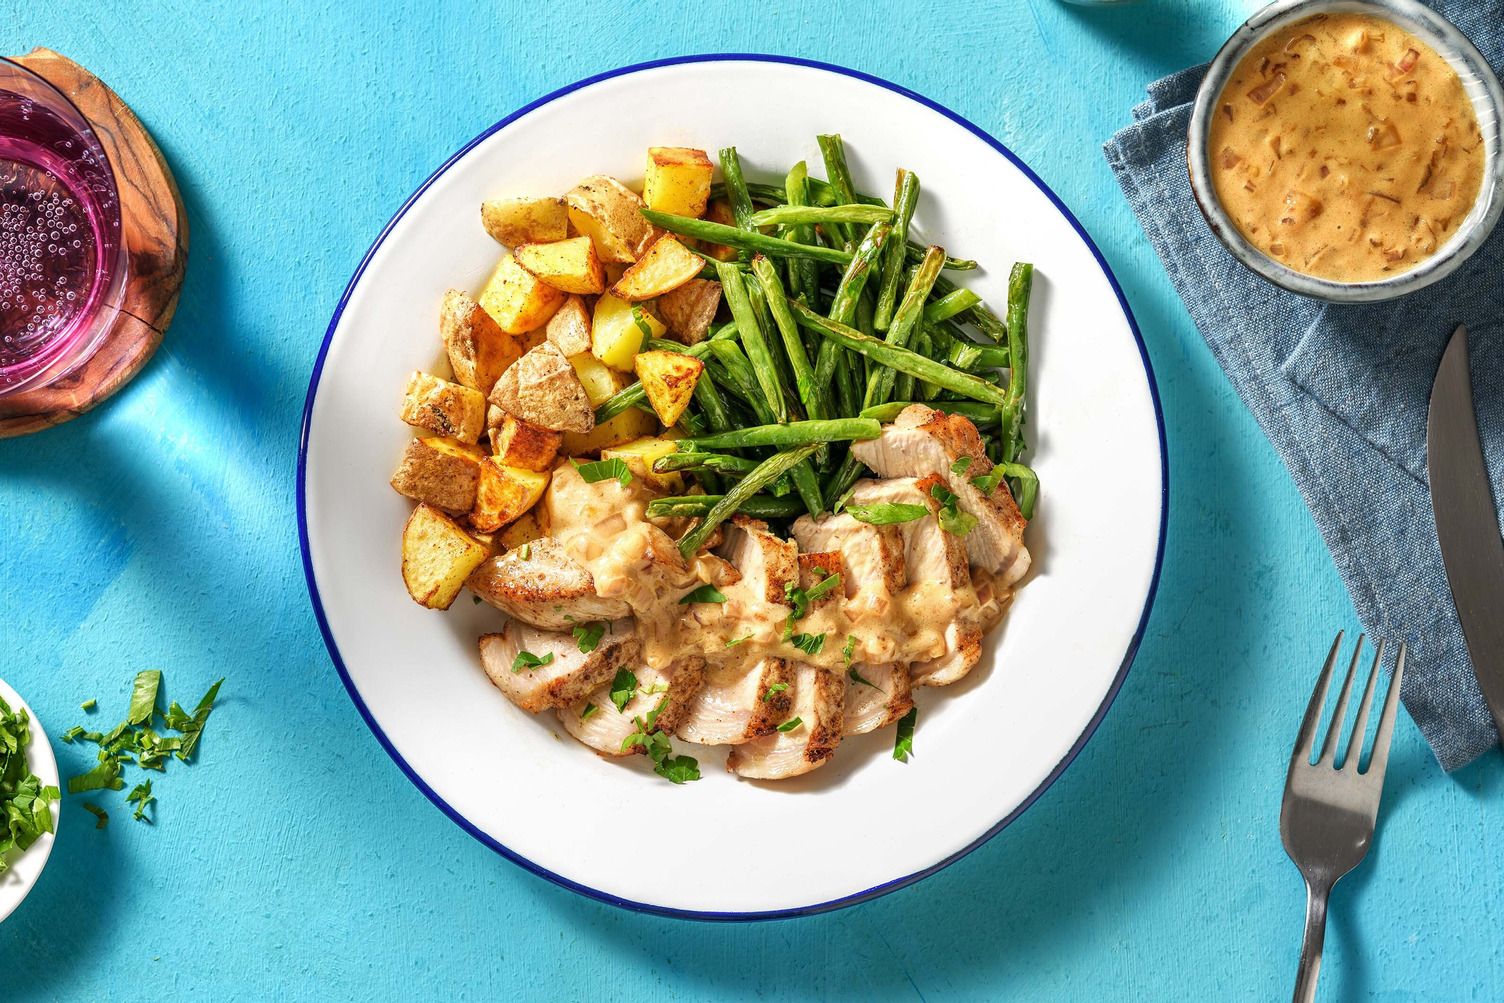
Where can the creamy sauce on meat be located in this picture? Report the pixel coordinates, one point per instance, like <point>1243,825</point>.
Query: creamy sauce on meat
<point>1346,148</point>
<point>604,527</point>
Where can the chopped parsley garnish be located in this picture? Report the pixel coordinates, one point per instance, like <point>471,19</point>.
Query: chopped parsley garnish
<point>790,724</point>
<point>72,733</point>
<point>87,705</point>
<point>903,743</point>
<point>528,660</point>
<point>887,513</point>
<point>102,816</point>
<point>605,470</point>
<point>525,551</point>
<point>987,483</point>
<point>141,796</point>
<point>772,689</point>
<point>809,643</point>
<point>823,587</point>
<point>588,635</point>
<point>856,677</point>
<point>105,775</point>
<point>623,689</point>
<point>849,647</point>
<point>841,501</point>
<point>675,769</point>
<point>800,599</point>
<point>590,708</point>
<point>959,467</point>
<point>475,600</point>
<point>705,593</point>
<point>144,696</point>
<point>654,688</point>
<point>25,802</point>
<point>640,319</point>
<point>738,640</point>
<point>951,518</point>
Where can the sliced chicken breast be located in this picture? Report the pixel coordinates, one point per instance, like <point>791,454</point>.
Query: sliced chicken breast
<point>568,674</point>
<point>877,694</point>
<point>540,584</point>
<point>923,441</point>
<point>818,698</point>
<point>768,564</point>
<point>739,703</point>
<point>595,721</point>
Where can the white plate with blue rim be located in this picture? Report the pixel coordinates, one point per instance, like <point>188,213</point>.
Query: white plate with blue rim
<point>25,866</point>
<point>984,748</point>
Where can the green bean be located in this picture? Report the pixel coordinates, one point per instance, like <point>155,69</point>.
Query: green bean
<point>715,461</point>
<point>804,275</point>
<point>950,304</point>
<point>765,324</point>
<point>914,253</point>
<point>978,414</point>
<point>810,392</point>
<point>736,189</point>
<point>757,506</point>
<point>730,236</point>
<point>795,433</point>
<point>824,193</point>
<point>1024,486</point>
<point>808,486</point>
<point>833,151</point>
<point>734,499</point>
<point>1020,284</point>
<point>742,378</point>
<point>767,194</point>
<point>970,356</point>
<point>735,291</point>
<point>905,319</point>
<point>822,214</point>
<point>900,359</point>
<point>905,197</point>
<point>843,306</point>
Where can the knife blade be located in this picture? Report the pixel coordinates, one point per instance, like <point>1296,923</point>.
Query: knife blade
<point>1472,550</point>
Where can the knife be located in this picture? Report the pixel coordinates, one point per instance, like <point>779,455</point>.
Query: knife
<point>1472,550</point>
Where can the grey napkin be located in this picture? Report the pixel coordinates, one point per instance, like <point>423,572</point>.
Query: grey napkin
<point>1342,392</point>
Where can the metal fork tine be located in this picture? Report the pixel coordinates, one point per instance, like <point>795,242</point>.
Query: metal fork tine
<point>1360,726</point>
<point>1380,758</point>
<point>1329,747</point>
<point>1307,737</point>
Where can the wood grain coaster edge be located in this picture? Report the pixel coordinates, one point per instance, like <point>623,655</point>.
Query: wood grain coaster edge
<point>155,225</point>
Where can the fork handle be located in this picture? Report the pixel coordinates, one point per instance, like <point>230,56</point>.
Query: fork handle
<point>1310,950</point>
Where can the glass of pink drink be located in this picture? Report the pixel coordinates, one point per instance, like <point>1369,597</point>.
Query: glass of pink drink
<point>63,260</point>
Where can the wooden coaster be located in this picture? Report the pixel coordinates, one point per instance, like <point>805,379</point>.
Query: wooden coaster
<point>156,233</point>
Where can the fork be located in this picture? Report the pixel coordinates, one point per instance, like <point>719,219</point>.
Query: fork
<point>1328,816</point>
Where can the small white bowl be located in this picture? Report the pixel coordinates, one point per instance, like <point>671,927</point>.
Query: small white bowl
<point>1478,81</point>
<point>26,867</point>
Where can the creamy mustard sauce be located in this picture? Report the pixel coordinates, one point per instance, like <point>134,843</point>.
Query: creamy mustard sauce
<point>604,527</point>
<point>1346,148</point>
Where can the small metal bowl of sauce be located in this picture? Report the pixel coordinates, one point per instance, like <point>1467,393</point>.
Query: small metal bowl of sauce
<point>1349,150</point>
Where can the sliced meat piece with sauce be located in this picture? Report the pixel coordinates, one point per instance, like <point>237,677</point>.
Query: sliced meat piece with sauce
<point>605,728</point>
<point>818,700</point>
<point>569,675</point>
<point>538,583</point>
<point>923,441</point>
<point>739,703</point>
<point>883,695</point>
<point>870,555</point>
<point>767,563</point>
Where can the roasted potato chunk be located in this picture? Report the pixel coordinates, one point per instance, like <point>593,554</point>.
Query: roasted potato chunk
<point>678,180</point>
<point>519,443</point>
<point>542,388</point>
<point>719,211</point>
<point>526,528</point>
<point>689,309</point>
<point>639,455</point>
<point>668,379</point>
<point>479,350</point>
<point>444,407</point>
<point>517,300</point>
<point>569,328</point>
<point>441,472</point>
<point>617,330</point>
<point>666,266</point>
<point>503,493</point>
<point>437,557</point>
<point>525,221</point>
<point>601,382</point>
<point>607,211</point>
<point>568,265</point>
<point>633,423</point>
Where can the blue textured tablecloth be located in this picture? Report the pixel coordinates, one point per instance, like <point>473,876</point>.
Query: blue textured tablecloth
<point>1342,392</point>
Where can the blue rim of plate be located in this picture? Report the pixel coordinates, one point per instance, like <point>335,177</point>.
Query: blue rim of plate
<point>877,890</point>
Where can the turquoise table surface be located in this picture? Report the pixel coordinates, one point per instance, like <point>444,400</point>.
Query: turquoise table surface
<point>294,861</point>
